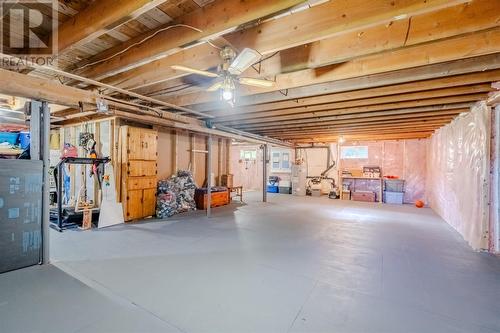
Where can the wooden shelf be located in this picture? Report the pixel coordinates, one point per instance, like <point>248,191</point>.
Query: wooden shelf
<point>379,179</point>
<point>369,178</point>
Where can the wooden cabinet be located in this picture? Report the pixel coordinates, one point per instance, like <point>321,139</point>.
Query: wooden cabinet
<point>138,148</point>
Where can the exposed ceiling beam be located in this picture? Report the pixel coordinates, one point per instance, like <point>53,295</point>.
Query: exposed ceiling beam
<point>362,124</point>
<point>466,46</point>
<point>344,45</point>
<point>389,90</point>
<point>434,109</point>
<point>363,137</point>
<point>243,136</point>
<point>368,117</point>
<point>342,102</point>
<point>325,113</point>
<point>98,18</point>
<point>204,23</point>
<point>21,85</point>
<point>369,135</point>
<point>398,77</point>
<point>494,98</point>
<point>330,19</point>
<point>389,130</point>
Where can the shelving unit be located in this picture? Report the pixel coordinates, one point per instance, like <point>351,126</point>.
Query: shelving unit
<point>354,179</point>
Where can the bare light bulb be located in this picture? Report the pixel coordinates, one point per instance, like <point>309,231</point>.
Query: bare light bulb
<point>227,94</point>
<point>341,139</point>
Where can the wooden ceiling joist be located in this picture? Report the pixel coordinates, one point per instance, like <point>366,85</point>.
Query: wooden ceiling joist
<point>391,131</point>
<point>329,19</point>
<point>100,17</point>
<point>21,85</point>
<point>396,133</point>
<point>207,22</point>
<point>351,102</point>
<point>447,70</point>
<point>358,138</point>
<point>357,120</point>
<point>389,90</point>
<point>431,53</point>
<point>345,44</point>
<point>324,114</point>
<point>400,123</point>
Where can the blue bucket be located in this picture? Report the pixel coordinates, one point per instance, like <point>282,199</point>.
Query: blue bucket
<point>24,139</point>
<point>10,138</point>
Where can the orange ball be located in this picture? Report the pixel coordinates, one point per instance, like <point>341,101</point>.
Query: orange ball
<point>419,204</point>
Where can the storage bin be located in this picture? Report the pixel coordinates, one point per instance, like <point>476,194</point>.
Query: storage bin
<point>10,138</point>
<point>24,139</point>
<point>272,189</point>
<point>394,185</point>
<point>393,197</point>
<point>285,190</point>
<point>366,196</point>
<point>218,199</point>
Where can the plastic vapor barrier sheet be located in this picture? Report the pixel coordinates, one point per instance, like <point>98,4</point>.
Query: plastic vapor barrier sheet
<point>458,173</point>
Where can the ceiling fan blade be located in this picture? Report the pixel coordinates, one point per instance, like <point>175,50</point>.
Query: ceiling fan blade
<point>249,81</point>
<point>243,61</point>
<point>215,86</point>
<point>194,71</point>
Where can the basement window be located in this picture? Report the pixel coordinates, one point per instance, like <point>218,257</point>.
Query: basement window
<point>280,161</point>
<point>354,152</point>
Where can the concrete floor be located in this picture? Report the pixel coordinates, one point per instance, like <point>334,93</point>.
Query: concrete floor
<point>292,265</point>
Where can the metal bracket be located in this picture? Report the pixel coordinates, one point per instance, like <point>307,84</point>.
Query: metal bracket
<point>284,92</point>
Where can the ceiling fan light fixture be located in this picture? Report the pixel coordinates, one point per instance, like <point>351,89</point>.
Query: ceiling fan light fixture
<point>227,95</point>
<point>227,89</point>
<point>244,60</point>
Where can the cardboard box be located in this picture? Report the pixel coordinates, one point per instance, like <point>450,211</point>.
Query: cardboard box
<point>227,180</point>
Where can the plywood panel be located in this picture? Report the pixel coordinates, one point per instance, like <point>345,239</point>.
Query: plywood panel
<point>149,142</point>
<point>165,155</point>
<point>134,148</point>
<point>134,205</point>
<point>139,183</point>
<point>141,168</point>
<point>246,174</point>
<point>200,160</point>
<point>183,151</point>
<point>149,202</point>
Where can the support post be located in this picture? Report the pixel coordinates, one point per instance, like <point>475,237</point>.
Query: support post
<point>40,150</point>
<point>45,135</point>
<point>265,152</point>
<point>209,175</point>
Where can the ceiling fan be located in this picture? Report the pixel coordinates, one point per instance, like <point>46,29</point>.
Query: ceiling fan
<point>228,72</point>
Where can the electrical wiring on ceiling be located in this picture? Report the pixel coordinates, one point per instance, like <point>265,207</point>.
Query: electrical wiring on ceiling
<point>146,39</point>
